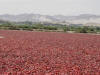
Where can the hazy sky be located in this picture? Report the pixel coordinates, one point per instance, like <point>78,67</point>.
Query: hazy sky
<point>52,7</point>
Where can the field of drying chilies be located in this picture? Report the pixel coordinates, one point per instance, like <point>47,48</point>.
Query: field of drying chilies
<point>49,53</point>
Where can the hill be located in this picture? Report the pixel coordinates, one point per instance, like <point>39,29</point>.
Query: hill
<point>84,19</point>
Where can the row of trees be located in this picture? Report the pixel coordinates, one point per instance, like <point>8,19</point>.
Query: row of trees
<point>64,28</point>
<point>12,26</point>
<point>83,29</point>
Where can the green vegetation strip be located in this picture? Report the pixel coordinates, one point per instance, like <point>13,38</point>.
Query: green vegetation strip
<point>54,28</point>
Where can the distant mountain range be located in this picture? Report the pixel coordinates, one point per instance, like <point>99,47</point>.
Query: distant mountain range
<point>85,19</point>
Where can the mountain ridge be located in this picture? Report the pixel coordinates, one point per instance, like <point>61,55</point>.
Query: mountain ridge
<point>60,19</point>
